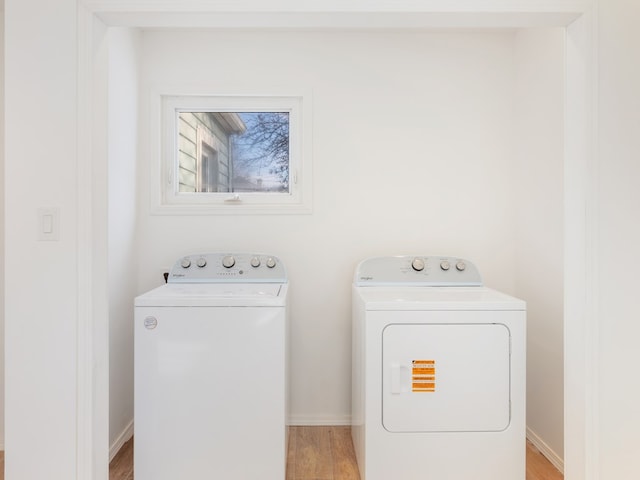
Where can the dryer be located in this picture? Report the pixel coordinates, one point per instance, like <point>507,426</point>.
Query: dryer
<point>438,372</point>
<point>211,381</point>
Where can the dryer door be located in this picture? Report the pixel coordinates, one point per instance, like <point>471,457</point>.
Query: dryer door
<point>446,377</point>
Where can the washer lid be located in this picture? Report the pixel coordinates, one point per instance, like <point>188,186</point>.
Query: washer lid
<point>215,295</point>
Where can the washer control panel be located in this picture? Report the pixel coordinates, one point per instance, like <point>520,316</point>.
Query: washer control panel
<point>228,267</point>
<point>417,270</point>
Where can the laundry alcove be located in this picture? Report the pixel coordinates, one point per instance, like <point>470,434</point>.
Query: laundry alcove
<point>426,135</point>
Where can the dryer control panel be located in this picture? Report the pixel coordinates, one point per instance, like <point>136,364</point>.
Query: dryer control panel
<point>228,267</point>
<point>417,271</point>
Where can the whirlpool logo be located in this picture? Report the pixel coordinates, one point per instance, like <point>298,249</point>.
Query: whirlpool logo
<point>150,323</point>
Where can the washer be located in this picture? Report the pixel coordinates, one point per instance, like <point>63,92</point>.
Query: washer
<point>438,372</point>
<point>211,381</point>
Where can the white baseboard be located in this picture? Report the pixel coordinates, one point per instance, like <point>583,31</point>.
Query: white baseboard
<point>319,420</point>
<point>124,437</point>
<point>545,450</point>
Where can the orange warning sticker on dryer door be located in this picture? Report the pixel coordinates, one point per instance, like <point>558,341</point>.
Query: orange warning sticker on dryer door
<point>423,375</point>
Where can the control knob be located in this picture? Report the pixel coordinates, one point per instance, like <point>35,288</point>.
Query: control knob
<point>255,262</point>
<point>228,261</point>
<point>202,262</point>
<point>185,263</point>
<point>461,266</point>
<point>418,264</point>
<point>444,265</point>
<point>271,262</point>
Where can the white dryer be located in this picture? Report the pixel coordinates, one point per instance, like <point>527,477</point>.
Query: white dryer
<point>211,382</point>
<point>438,372</point>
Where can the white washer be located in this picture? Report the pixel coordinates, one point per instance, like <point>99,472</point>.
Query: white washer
<point>211,381</point>
<point>438,372</point>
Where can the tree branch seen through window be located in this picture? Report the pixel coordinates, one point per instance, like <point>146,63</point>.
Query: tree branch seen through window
<point>262,151</point>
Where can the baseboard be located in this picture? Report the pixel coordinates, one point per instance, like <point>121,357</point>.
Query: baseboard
<point>545,450</point>
<point>124,437</point>
<point>319,420</point>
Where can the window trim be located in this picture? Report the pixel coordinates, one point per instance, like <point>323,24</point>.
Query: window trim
<point>166,200</point>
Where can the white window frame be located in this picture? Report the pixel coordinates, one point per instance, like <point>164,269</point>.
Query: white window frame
<point>167,200</point>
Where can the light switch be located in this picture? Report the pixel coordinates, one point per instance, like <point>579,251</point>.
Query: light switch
<point>48,224</point>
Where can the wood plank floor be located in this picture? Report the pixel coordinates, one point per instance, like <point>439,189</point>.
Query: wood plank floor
<point>323,453</point>
<point>538,467</point>
<point>326,453</point>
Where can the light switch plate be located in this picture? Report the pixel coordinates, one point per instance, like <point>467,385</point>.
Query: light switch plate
<point>48,227</point>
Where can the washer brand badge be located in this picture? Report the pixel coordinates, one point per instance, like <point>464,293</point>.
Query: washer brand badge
<point>366,278</point>
<point>150,323</point>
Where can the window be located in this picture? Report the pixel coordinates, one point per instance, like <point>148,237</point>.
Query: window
<point>234,154</point>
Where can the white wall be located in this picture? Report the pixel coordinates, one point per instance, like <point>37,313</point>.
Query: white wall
<point>2,224</point>
<point>412,152</point>
<point>41,296</point>
<point>619,255</point>
<point>539,101</point>
<point>122,158</point>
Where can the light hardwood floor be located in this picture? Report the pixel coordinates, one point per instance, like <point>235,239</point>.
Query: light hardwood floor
<point>326,453</point>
